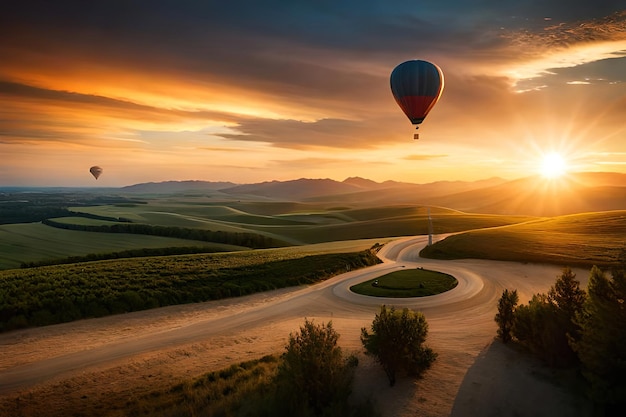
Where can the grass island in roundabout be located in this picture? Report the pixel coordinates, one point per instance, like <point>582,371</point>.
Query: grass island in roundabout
<point>414,282</point>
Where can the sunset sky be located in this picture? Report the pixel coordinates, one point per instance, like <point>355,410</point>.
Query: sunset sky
<point>252,91</point>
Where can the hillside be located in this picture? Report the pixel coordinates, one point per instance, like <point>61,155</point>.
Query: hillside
<point>531,196</point>
<point>536,196</point>
<point>175,186</point>
<point>572,240</point>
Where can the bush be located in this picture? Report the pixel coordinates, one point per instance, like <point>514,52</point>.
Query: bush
<point>314,375</point>
<point>397,342</point>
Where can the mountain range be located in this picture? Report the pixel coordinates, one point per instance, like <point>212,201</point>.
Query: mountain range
<point>573,193</point>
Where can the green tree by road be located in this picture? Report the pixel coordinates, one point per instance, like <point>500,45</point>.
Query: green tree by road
<point>397,342</point>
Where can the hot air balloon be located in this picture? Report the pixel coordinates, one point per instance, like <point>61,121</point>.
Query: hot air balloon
<point>416,85</point>
<point>96,171</point>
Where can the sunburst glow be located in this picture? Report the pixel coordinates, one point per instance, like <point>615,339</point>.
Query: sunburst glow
<point>553,165</point>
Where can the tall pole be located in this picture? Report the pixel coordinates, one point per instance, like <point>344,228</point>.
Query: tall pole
<point>430,228</point>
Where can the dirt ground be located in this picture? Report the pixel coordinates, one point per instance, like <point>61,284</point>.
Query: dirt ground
<point>479,377</point>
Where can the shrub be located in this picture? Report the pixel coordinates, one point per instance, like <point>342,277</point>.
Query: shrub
<point>397,342</point>
<point>314,374</point>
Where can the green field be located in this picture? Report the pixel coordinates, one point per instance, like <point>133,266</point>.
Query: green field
<point>575,240</point>
<point>585,239</point>
<point>300,223</point>
<point>293,223</point>
<point>29,242</point>
<point>407,283</point>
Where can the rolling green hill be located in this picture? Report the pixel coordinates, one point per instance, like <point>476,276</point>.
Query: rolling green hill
<point>31,242</point>
<point>274,212</point>
<point>574,240</point>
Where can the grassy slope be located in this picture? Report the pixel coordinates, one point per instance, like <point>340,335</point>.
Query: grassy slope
<point>304,224</point>
<point>29,242</point>
<point>574,240</point>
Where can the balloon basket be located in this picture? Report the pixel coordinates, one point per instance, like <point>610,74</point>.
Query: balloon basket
<point>416,136</point>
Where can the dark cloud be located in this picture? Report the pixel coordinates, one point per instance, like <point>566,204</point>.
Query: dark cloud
<point>296,134</point>
<point>563,34</point>
<point>297,50</point>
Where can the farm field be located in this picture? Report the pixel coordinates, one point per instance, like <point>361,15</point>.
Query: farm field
<point>301,223</point>
<point>584,239</point>
<point>294,223</point>
<point>28,242</point>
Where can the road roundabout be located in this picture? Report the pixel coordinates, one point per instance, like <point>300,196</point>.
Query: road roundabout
<point>402,254</point>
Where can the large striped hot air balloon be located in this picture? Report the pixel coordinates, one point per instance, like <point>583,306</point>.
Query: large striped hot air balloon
<point>416,85</point>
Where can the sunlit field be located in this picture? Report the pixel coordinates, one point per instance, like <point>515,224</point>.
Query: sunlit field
<point>575,240</point>
<point>303,223</point>
<point>30,242</point>
<point>292,223</point>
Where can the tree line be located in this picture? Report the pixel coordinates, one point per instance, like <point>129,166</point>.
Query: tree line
<point>130,253</point>
<point>20,207</point>
<point>249,240</point>
<point>571,327</point>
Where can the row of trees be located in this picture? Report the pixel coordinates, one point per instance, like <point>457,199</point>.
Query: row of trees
<point>315,378</point>
<point>130,253</point>
<point>571,327</point>
<point>249,240</point>
<point>56,294</point>
<point>19,207</point>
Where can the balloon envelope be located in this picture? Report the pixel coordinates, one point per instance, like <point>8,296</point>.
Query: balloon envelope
<point>95,171</point>
<point>416,85</point>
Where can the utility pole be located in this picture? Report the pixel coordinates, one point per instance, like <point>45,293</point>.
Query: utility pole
<point>430,228</point>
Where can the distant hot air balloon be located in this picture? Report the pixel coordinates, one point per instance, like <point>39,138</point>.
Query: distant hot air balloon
<point>96,171</point>
<point>416,85</point>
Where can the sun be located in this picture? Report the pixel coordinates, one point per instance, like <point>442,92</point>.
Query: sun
<point>553,165</point>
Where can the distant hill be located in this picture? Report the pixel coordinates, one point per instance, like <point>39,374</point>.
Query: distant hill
<point>167,187</point>
<point>302,188</point>
<point>366,184</point>
<point>535,196</point>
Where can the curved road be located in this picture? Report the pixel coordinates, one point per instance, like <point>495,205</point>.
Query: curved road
<point>463,315</point>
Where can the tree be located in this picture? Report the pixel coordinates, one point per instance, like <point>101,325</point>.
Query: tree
<point>546,325</point>
<point>528,322</point>
<point>567,295</point>
<point>313,374</point>
<point>567,300</point>
<point>505,315</point>
<point>397,342</point>
<point>602,345</point>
